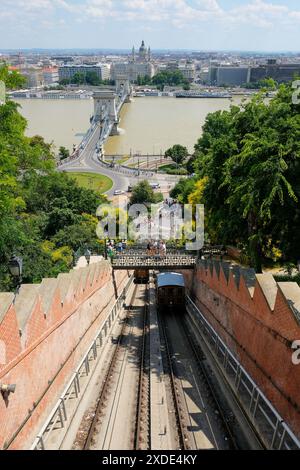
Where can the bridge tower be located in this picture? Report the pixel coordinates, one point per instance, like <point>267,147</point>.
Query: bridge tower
<point>123,87</point>
<point>105,109</point>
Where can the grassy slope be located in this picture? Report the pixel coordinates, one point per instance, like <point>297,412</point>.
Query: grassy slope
<point>99,183</point>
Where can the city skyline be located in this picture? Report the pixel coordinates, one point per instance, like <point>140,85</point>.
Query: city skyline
<point>219,25</point>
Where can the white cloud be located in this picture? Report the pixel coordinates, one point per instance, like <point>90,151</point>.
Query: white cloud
<point>257,13</point>
<point>178,13</point>
<point>208,5</point>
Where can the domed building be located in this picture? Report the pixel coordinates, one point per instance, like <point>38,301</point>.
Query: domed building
<point>144,54</point>
<point>139,65</point>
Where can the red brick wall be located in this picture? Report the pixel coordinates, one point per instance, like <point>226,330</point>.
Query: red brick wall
<point>259,336</point>
<point>9,335</point>
<point>42,369</point>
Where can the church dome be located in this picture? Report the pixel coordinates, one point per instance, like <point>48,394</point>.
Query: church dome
<point>143,48</point>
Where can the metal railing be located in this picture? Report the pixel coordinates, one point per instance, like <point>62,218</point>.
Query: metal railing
<point>153,262</point>
<point>270,426</point>
<point>59,416</point>
<point>141,250</point>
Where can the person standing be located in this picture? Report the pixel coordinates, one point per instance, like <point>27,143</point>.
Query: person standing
<point>110,252</point>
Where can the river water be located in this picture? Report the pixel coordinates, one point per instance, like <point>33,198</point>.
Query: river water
<point>148,124</point>
<point>63,122</point>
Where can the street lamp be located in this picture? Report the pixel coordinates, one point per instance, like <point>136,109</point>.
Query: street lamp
<point>87,255</point>
<point>105,248</point>
<point>15,266</point>
<point>76,256</point>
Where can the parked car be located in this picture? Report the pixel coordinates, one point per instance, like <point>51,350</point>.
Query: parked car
<point>118,192</point>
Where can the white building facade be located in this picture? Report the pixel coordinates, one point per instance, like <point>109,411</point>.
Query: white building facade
<point>67,72</point>
<point>139,65</point>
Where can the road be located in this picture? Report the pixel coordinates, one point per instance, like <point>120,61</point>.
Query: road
<point>87,162</point>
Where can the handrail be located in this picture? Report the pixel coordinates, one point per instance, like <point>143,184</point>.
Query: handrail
<point>257,401</point>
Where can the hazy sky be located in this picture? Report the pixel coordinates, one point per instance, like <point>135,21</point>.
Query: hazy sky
<point>263,25</point>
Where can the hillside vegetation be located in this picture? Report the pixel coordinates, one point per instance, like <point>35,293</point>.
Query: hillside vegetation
<point>247,166</point>
<point>44,215</point>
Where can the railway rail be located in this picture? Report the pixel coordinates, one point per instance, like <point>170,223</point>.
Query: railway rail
<point>192,393</point>
<point>159,384</point>
<point>180,419</point>
<point>115,376</point>
<point>143,426</point>
<point>198,354</point>
<point>102,396</point>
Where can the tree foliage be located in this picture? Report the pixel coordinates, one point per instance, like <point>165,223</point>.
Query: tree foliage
<point>12,78</point>
<point>166,77</point>
<point>170,78</point>
<point>178,153</point>
<point>266,83</point>
<point>89,78</point>
<point>44,214</point>
<point>63,152</point>
<point>142,193</point>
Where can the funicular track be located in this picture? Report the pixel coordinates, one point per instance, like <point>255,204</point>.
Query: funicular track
<point>191,389</point>
<point>103,428</point>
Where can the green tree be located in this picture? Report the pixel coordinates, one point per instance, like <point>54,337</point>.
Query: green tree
<point>78,78</point>
<point>12,78</point>
<point>266,83</point>
<point>249,159</point>
<point>64,81</point>
<point>92,78</point>
<point>183,189</point>
<point>63,153</point>
<point>143,80</point>
<point>142,193</point>
<point>37,203</point>
<point>170,78</point>
<point>178,153</point>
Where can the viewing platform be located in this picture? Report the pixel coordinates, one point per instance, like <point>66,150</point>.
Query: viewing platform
<point>156,262</point>
<point>137,257</point>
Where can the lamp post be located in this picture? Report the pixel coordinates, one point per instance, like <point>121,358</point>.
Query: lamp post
<point>76,256</point>
<point>105,248</point>
<point>15,266</point>
<point>87,255</point>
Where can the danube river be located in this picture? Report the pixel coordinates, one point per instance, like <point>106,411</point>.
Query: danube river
<point>63,122</point>
<point>147,124</point>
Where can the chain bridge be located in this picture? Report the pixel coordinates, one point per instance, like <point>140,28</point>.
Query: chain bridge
<point>105,120</point>
<point>107,106</point>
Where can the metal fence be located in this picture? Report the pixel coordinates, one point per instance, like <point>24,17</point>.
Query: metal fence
<point>59,417</point>
<point>154,262</point>
<point>270,426</point>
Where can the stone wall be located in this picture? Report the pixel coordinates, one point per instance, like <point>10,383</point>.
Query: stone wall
<point>43,336</point>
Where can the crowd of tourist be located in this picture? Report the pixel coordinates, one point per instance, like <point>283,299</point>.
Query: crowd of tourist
<point>154,248</point>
